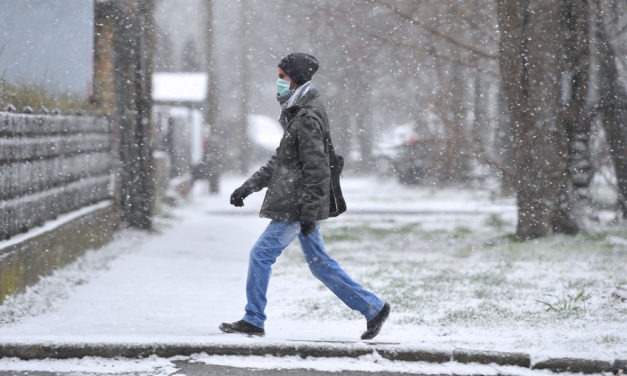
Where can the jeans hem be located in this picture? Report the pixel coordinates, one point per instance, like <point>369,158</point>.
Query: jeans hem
<point>378,311</point>
<point>258,324</point>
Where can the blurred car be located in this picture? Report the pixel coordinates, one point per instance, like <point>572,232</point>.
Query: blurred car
<point>411,164</point>
<point>400,152</point>
<point>388,148</point>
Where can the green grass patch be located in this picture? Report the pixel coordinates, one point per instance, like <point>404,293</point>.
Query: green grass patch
<point>462,315</point>
<point>487,279</point>
<point>495,221</point>
<point>610,340</point>
<point>464,252</point>
<point>592,236</point>
<point>566,303</point>
<point>460,232</point>
<point>361,232</point>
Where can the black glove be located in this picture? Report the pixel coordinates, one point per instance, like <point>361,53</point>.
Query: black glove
<point>238,196</point>
<point>307,227</point>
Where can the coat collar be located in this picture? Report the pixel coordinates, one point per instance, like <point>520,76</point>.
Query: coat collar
<point>303,102</point>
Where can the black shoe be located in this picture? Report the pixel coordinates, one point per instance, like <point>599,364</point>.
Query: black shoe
<point>242,326</point>
<point>374,326</point>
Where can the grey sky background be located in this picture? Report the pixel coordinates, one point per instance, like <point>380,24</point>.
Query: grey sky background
<point>47,42</point>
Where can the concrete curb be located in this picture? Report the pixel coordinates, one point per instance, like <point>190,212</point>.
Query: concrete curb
<point>391,352</point>
<point>487,357</point>
<point>65,351</point>
<point>430,356</point>
<point>574,365</point>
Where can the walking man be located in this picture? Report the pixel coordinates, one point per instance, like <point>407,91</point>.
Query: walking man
<point>298,177</point>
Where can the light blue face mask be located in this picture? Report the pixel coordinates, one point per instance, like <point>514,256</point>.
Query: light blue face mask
<point>283,87</point>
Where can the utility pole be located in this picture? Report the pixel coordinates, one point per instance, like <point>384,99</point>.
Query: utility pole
<point>241,137</point>
<point>215,149</point>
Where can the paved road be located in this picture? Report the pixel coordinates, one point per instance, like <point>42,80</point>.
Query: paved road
<point>199,369</point>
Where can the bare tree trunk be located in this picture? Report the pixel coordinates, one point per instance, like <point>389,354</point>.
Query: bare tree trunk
<point>505,142</point>
<point>144,196</point>
<point>480,126</point>
<point>106,81</point>
<point>459,148</point>
<point>531,66</point>
<point>575,113</point>
<point>133,66</point>
<point>365,137</point>
<point>613,109</point>
<point>451,158</point>
<point>364,124</point>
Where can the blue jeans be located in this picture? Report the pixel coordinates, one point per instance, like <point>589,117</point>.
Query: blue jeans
<point>277,236</point>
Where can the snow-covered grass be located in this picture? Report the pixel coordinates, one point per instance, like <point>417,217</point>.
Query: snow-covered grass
<point>444,258</point>
<point>461,280</point>
<point>445,282</point>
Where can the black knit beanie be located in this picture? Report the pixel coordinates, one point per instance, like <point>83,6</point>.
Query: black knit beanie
<point>299,66</point>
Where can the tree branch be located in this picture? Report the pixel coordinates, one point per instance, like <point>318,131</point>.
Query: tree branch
<point>491,162</point>
<point>434,31</point>
<point>447,58</point>
<point>470,22</point>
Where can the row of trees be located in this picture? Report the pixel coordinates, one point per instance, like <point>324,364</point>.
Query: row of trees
<point>517,85</point>
<point>531,90</point>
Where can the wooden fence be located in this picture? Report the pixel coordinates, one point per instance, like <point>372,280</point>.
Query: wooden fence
<point>51,165</point>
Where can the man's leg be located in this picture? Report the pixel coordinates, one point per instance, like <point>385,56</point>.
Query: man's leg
<point>277,236</point>
<point>329,272</point>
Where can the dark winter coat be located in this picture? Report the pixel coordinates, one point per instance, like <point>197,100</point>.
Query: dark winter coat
<point>297,176</point>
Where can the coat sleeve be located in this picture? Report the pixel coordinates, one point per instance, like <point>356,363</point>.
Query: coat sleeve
<point>316,172</point>
<point>261,178</point>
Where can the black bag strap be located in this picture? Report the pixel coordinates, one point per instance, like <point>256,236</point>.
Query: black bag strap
<point>327,137</point>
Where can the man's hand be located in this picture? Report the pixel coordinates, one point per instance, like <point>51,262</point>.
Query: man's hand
<point>238,196</point>
<point>307,227</point>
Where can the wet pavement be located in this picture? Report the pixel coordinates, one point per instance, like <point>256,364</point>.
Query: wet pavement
<point>200,369</point>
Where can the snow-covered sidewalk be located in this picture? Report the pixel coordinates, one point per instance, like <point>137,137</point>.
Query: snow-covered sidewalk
<point>426,250</point>
<point>174,285</point>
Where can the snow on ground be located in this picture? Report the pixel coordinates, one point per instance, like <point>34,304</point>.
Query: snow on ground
<point>440,256</point>
<point>155,366</point>
<point>151,366</point>
<point>371,363</point>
